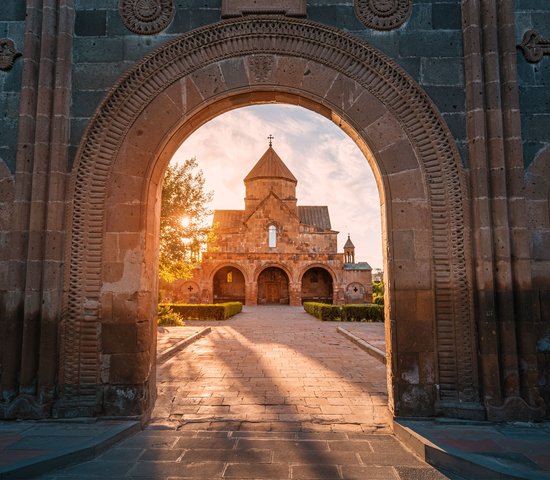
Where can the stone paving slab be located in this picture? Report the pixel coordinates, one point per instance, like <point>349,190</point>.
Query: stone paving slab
<point>29,448</point>
<point>269,369</point>
<point>481,450</point>
<point>370,332</point>
<point>373,351</point>
<point>168,337</point>
<point>297,401</point>
<point>175,343</point>
<point>254,455</point>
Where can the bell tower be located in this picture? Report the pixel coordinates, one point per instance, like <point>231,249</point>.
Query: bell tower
<point>349,251</point>
<point>270,174</point>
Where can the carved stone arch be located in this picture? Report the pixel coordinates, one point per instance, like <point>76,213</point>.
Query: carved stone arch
<point>193,78</point>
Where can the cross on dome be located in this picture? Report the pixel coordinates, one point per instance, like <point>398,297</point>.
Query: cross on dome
<point>270,138</point>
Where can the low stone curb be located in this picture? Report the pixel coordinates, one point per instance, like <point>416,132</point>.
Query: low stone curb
<point>366,346</point>
<point>81,452</point>
<point>467,465</point>
<point>170,352</point>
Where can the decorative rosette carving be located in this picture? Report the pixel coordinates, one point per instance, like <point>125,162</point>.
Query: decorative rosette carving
<point>147,17</point>
<point>383,14</point>
<point>8,54</point>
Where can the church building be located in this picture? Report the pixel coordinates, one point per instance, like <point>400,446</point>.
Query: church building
<point>276,251</point>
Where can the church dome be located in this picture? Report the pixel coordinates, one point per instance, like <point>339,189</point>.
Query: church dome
<point>270,165</point>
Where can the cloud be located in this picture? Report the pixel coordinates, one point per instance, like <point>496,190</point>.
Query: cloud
<point>330,168</point>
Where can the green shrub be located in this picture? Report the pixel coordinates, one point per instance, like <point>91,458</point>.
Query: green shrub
<point>378,300</point>
<point>346,313</point>
<point>219,311</point>
<point>168,318</point>
<point>378,293</point>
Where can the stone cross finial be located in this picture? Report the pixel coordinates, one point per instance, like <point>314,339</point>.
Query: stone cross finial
<point>270,138</point>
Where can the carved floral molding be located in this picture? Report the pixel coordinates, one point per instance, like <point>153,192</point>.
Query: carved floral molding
<point>147,17</point>
<point>383,14</point>
<point>8,54</point>
<point>534,46</point>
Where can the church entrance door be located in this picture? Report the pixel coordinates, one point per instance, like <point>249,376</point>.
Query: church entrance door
<point>273,287</point>
<point>273,294</point>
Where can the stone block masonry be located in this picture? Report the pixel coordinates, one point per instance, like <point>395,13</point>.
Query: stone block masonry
<point>465,240</point>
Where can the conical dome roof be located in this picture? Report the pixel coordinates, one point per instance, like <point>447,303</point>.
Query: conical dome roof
<point>349,243</point>
<point>270,166</point>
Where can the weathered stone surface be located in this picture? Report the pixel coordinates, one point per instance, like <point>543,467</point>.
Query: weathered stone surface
<point>103,229</point>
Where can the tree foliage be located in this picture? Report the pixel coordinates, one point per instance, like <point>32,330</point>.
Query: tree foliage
<point>378,293</point>
<point>183,231</point>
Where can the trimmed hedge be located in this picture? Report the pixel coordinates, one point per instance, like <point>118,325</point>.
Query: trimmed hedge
<point>368,312</point>
<point>197,311</point>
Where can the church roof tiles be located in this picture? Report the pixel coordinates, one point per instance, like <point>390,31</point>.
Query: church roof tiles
<point>270,166</point>
<point>316,216</point>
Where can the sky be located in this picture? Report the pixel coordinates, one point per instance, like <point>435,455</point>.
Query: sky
<point>329,167</point>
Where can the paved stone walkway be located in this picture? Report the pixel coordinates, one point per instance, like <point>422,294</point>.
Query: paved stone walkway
<point>270,394</point>
<point>273,368</point>
<point>372,333</point>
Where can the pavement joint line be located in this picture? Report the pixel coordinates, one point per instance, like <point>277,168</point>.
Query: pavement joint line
<point>179,346</point>
<point>363,345</point>
<point>463,464</point>
<point>95,445</point>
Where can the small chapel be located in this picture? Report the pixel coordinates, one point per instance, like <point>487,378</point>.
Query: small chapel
<point>275,251</point>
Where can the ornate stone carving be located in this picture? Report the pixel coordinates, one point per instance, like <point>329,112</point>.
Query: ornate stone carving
<point>256,37</point>
<point>8,54</point>
<point>383,14</point>
<point>261,67</point>
<point>517,408</point>
<point>534,46</point>
<point>146,17</point>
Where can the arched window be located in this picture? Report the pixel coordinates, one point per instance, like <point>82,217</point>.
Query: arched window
<point>272,236</point>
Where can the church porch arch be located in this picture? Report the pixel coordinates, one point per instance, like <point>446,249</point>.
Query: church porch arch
<point>118,174</point>
<point>228,285</point>
<point>274,286</point>
<point>318,284</point>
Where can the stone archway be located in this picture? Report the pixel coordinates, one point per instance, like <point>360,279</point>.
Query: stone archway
<point>228,285</point>
<point>119,168</point>
<point>317,285</point>
<point>273,287</point>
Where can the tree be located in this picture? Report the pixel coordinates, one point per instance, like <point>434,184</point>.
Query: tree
<point>378,292</point>
<point>183,232</point>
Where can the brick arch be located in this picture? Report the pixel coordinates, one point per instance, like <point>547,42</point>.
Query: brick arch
<point>181,85</point>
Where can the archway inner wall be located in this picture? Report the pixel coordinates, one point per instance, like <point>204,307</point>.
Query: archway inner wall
<point>116,193</point>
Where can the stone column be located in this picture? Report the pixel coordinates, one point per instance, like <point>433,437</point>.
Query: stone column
<point>251,293</point>
<point>34,298</point>
<point>295,293</point>
<point>500,238</point>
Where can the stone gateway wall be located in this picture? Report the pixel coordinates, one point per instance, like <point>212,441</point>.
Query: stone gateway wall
<point>103,93</point>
